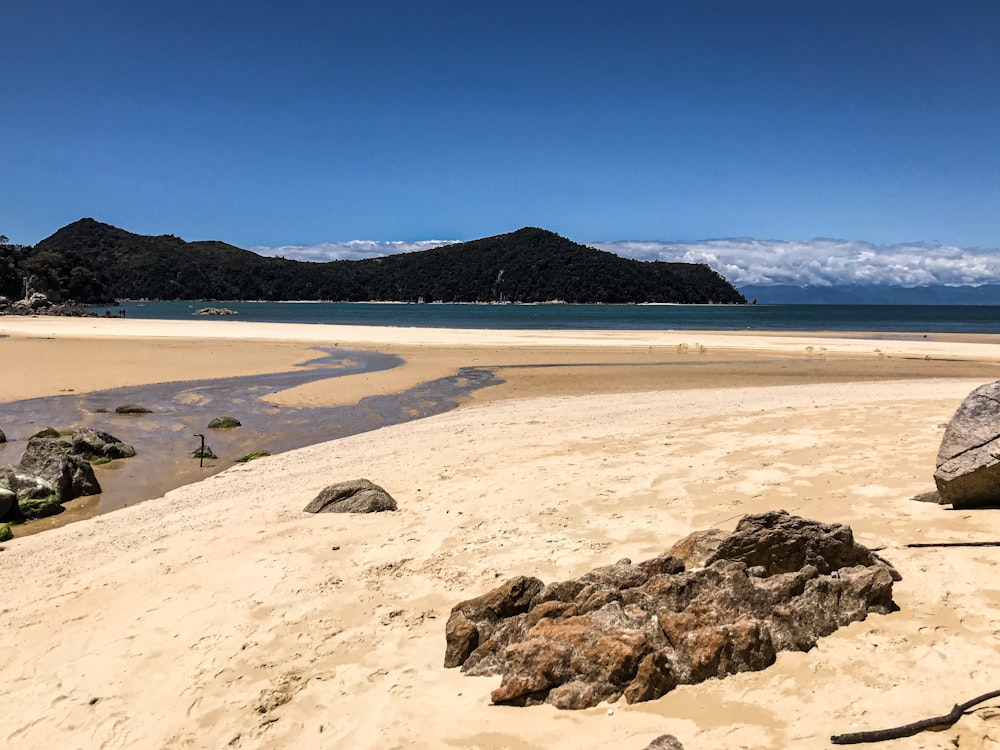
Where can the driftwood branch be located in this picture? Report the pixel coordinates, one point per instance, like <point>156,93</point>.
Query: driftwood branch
<point>908,730</point>
<point>954,544</point>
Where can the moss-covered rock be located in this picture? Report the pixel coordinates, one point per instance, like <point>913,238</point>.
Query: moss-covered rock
<point>48,432</point>
<point>204,453</point>
<point>39,507</point>
<point>16,485</point>
<point>253,455</point>
<point>224,423</point>
<point>132,409</point>
<point>5,533</point>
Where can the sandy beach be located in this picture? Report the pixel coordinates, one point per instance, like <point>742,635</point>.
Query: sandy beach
<point>222,615</point>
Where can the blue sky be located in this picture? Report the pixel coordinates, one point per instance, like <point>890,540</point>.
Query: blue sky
<point>298,123</point>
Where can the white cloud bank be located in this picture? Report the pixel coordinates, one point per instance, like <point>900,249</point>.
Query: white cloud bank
<point>818,262</point>
<point>825,262</point>
<point>351,250</point>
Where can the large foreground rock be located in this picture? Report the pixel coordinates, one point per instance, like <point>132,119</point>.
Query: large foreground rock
<point>778,582</point>
<point>354,496</point>
<point>968,461</point>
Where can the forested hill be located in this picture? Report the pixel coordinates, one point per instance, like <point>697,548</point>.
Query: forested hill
<point>88,261</point>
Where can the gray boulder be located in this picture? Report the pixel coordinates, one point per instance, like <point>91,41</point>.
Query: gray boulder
<point>52,460</point>
<point>636,631</point>
<point>91,444</point>
<point>968,461</point>
<point>355,496</point>
<point>33,302</point>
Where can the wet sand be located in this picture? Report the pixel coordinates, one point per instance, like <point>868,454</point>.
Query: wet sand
<point>135,352</point>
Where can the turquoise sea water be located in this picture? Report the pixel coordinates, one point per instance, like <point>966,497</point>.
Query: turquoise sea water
<point>876,318</point>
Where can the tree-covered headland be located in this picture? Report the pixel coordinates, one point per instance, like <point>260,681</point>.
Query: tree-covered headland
<point>94,263</point>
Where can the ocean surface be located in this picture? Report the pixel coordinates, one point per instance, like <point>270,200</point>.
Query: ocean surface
<point>875,318</point>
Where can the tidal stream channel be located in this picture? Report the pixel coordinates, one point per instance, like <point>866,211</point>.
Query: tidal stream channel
<point>165,439</point>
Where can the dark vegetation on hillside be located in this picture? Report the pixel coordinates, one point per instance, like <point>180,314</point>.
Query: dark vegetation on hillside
<point>91,262</point>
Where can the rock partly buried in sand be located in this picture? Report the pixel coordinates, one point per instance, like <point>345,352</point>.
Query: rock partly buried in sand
<point>3,438</point>
<point>778,582</point>
<point>928,497</point>
<point>665,742</point>
<point>224,423</point>
<point>355,496</point>
<point>968,461</point>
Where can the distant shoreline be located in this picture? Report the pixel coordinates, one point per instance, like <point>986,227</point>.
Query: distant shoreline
<point>566,316</point>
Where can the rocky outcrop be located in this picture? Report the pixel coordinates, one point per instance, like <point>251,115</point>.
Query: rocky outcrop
<point>37,303</point>
<point>354,496</point>
<point>53,461</point>
<point>32,303</point>
<point>54,469</point>
<point>968,461</point>
<point>215,311</point>
<point>778,582</point>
